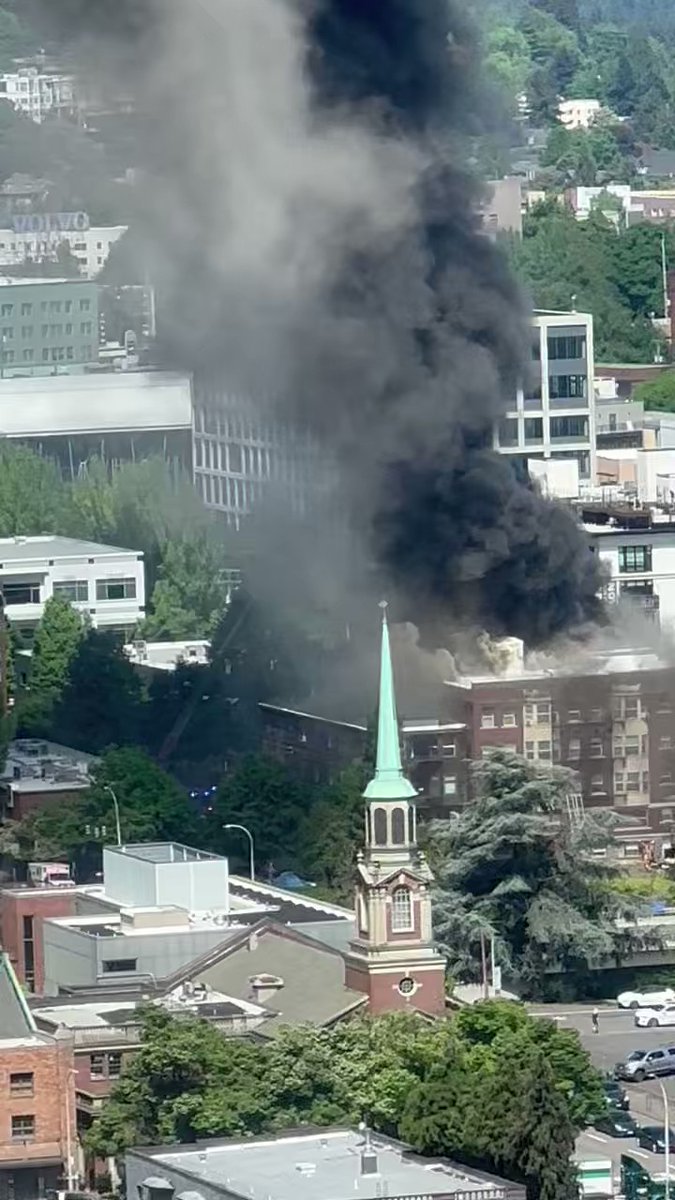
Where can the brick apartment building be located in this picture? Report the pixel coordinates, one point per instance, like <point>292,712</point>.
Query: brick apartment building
<point>612,722</point>
<point>37,1105</point>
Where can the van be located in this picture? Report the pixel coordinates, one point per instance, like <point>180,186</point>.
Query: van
<point>643,1064</point>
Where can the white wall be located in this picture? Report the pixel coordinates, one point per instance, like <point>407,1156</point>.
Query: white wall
<point>70,404</point>
<point>662,573</point>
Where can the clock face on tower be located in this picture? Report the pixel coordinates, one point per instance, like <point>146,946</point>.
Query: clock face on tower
<point>406,986</point>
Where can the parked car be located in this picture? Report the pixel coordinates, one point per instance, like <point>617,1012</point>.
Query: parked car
<point>616,1124</point>
<point>650,1018</point>
<point>644,1063</point>
<point>653,1137</point>
<point>615,1094</point>
<point>645,999</point>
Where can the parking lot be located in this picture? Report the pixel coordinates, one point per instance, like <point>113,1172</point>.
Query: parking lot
<point>617,1037</point>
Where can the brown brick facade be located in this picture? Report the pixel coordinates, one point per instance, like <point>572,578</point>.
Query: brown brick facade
<point>36,1093</point>
<point>22,911</point>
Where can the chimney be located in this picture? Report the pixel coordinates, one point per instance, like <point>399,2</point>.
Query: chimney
<point>264,987</point>
<point>369,1163</point>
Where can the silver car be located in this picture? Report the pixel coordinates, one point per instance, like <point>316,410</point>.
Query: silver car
<point>643,1064</point>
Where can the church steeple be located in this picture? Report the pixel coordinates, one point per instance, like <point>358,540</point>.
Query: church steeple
<point>391,956</point>
<point>389,782</point>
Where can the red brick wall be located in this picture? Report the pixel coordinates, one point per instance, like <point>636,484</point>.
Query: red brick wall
<point>38,905</point>
<point>384,995</point>
<point>27,802</point>
<point>50,1064</point>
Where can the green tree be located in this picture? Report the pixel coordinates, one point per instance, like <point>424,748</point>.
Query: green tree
<point>263,797</point>
<point>659,393</point>
<point>542,1141</point>
<point>190,596</point>
<point>100,705</point>
<point>56,643</point>
<point>332,832</point>
<point>33,499</point>
<point>513,867</point>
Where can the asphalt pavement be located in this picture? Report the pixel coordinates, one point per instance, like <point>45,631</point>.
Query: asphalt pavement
<point>617,1036</point>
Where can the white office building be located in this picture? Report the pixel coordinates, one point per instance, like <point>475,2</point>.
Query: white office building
<point>36,239</point>
<point>639,561</point>
<point>241,449</point>
<point>104,582</point>
<point>554,412</point>
<point>38,94</point>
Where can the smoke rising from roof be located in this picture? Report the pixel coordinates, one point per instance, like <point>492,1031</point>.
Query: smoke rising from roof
<point>311,228</point>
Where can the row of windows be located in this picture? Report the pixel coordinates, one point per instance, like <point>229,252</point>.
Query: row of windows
<point>567,347</point>
<point>635,558</point>
<point>105,1066</point>
<point>631,781</point>
<point>72,590</point>
<point>540,712</point>
<point>563,429</point>
<point>239,428</point>
<point>56,330</point>
<point>49,354</point>
<point>51,306</point>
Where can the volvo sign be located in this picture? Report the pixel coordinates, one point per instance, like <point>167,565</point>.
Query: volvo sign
<point>73,222</point>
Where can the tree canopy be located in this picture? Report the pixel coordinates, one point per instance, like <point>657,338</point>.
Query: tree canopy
<point>658,394</point>
<point>516,868</point>
<point>439,1085</point>
<point>56,643</point>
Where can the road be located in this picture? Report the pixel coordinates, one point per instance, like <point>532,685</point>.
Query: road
<point>617,1037</point>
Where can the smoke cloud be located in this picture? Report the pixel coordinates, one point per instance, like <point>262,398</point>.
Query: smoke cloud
<point>311,230</point>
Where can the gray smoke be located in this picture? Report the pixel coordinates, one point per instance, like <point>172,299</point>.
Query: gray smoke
<point>312,233</point>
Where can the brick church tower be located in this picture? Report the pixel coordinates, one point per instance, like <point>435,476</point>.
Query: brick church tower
<point>391,957</point>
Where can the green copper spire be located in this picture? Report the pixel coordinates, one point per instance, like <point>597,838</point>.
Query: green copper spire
<point>389,782</point>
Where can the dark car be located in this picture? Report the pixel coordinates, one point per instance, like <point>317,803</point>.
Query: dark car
<point>615,1094</point>
<point>616,1124</point>
<point>652,1137</point>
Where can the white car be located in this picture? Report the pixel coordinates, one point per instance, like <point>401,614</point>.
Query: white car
<point>645,999</point>
<point>649,1018</point>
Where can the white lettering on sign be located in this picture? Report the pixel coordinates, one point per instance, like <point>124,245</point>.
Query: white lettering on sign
<point>75,222</point>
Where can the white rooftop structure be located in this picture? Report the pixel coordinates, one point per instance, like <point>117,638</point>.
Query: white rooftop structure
<point>330,1164</point>
<point>100,402</point>
<point>107,583</point>
<point>167,656</point>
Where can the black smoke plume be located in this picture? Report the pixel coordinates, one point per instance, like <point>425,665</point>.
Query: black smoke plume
<point>312,232</point>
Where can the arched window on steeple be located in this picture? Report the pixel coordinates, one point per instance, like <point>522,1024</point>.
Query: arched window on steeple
<point>398,827</point>
<point>379,827</point>
<point>411,825</point>
<point>401,910</point>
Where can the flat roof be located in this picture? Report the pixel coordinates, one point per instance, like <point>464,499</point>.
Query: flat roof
<point>323,1165</point>
<point>164,852</point>
<point>47,545</point>
<point>46,785</point>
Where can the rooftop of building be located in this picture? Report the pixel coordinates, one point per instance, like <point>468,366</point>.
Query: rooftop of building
<point>624,661</point>
<point>35,281</point>
<point>327,1164</point>
<point>114,1014</point>
<point>52,546</point>
<point>164,852</point>
<point>33,786</point>
<point>33,756</point>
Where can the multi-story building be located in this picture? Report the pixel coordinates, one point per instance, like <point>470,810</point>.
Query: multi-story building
<point>329,1163</point>
<point>45,323</point>
<point>37,773</point>
<point>38,238</point>
<point>104,582</point>
<point>242,450</point>
<point>637,550</point>
<point>37,1100</point>
<point>553,416</point>
<point>119,416</point>
<point>38,94</point>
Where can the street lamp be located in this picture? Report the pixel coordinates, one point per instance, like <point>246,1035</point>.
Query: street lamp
<point>118,829</point>
<point>666,1138</point>
<point>250,840</point>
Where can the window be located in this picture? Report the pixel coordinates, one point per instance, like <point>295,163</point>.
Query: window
<point>113,966</point>
<point>487,718</point>
<point>567,387</point>
<point>598,783</point>
<point>20,593</point>
<point>23,1128</point>
<point>21,1083</point>
<point>26,310</point>
<point>114,1064</point>
<point>538,714</point>
<point>380,827</point>
<point>534,429</point>
<point>85,326</point>
<point>449,749</point>
<point>6,310</point>
<point>627,708</point>
<point>67,306</point>
<point>449,785</point>
<point>45,355</point>
<point>97,1066</point>
<point>115,589</point>
<point>574,748</point>
<point>508,432</point>
<point>398,827</point>
<point>401,910</point>
<point>55,330</point>
<point>635,558</point>
<point>74,590</point>
<point>234,458</point>
<point>509,720</point>
<point>69,327</point>
<point>7,334</point>
<point>567,347</point>
<point>26,331</point>
<point>8,356</point>
<point>597,750</point>
<point>544,751</point>
<point>596,714</point>
<point>665,742</point>
<point>55,306</point>
<point>85,305</point>
<point>574,714</point>
<point>529,751</point>
<point>569,428</point>
<point>28,355</point>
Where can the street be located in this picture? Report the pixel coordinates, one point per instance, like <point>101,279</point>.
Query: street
<point>617,1037</point>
